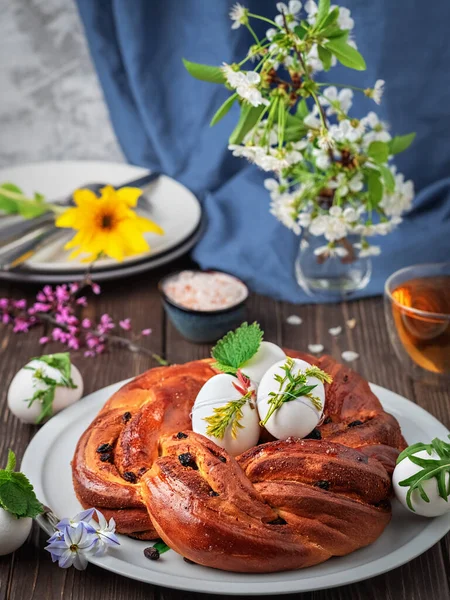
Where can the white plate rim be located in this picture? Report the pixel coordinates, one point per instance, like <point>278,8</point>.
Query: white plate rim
<point>430,535</point>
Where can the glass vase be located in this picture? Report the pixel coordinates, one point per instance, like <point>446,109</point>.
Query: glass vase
<point>331,277</point>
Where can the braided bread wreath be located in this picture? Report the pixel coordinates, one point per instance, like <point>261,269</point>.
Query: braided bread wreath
<point>280,505</point>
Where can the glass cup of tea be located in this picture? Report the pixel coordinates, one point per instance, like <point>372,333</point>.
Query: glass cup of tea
<point>417,310</point>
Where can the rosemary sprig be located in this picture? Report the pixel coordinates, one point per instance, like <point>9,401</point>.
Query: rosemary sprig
<point>431,468</point>
<point>226,415</point>
<point>293,386</point>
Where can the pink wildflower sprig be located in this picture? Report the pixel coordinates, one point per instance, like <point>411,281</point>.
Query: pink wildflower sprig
<point>60,307</point>
<point>245,386</point>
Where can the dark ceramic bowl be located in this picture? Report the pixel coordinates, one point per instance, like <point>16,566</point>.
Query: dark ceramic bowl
<point>202,326</point>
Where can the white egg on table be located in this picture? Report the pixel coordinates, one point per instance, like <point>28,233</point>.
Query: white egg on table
<point>266,356</point>
<point>13,531</point>
<point>297,417</point>
<point>404,470</point>
<point>216,393</point>
<point>25,384</point>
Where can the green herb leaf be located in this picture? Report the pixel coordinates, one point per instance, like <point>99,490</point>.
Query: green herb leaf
<point>224,416</point>
<point>237,347</point>
<point>293,386</point>
<point>430,468</point>
<point>61,362</point>
<point>16,492</point>
<point>346,54</point>
<point>400,143</point>
<point>161,547</point>
<point>325,56</point>
<point>204,72</point>
<point>248,118</point>
<point>223,110</point>
<point>11,464</point>
<point>378,152</point>
<point>13,201</point>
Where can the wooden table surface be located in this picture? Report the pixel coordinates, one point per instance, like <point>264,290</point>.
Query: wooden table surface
<point>29,573</point>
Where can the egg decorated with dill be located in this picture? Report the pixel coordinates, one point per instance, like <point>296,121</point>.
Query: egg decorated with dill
<point>291,398</point>
<point>421,478</point>
<point>225,412</point>
<point>43,387</point>
<point>266,356</point>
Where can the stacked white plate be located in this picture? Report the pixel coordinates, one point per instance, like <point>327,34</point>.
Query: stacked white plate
<point>168,203</point>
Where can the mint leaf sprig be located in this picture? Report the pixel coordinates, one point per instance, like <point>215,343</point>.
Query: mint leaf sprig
<point>293,386</point>
<point>61,362</point>
<point>16,492</point>
<point>237,347</point>
<point>430,468</point>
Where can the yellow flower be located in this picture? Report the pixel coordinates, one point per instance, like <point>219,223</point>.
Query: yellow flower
<point>107,224</point>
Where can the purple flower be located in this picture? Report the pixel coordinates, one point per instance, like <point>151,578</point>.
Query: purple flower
<point>73,343</point>
<point>106,534</point>
<point>20,304</point>
<point>125,324</point>
<point>40,307</point>
<point>20,325</point>
<point>146,332</point>
<point>62,294</point>
<point>86,324</point>
<point>74,547</point>
<point>4,303</point>
<point>6,318</point>
<point>82,301</point>
<point>44,340</point>
<point>96,288</point>
<point>84,515</point>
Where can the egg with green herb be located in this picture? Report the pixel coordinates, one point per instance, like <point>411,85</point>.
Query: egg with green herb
<point>43,387</point>
<point>13,531</point>
<point>267,355</point>
<point>224,414</point>
<point>291,398</point>
<point>423,495</point>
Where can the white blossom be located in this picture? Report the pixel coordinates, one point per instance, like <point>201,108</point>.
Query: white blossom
<point>234,78</point>
<point>311,8</point>
<point>238,14</point>
<point>332,227</point>
<point>400,200</point>
<point>376,92</point>
<point>282,208</point>
<point>271,33</point>
<point>350,214</point>
<point>345,131</point>
<point>344,19</point>
<point>336,101</point>
<point>365,250</point>
<point>247,89</point>
<point>290,13</point>
<point>356,183</point>
<point>304,219</point>
<point>321,158</point>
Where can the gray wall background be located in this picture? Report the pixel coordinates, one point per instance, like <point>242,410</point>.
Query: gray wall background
<point>51,104</point>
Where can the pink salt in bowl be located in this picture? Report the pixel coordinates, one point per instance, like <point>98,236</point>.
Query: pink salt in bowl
<point>203,305</point>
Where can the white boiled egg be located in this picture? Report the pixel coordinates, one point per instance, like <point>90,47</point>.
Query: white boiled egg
<point>216,393</point>
<point>24,385</point>
<point>267,355</point>
<point>13,531</point>
<point>405,469</point>
<point>296,418</point>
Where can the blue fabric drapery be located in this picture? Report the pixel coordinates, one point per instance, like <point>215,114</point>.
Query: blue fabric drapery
<point>161,117</point>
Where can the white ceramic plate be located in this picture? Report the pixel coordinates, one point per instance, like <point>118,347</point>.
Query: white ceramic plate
<point>171,205</point>
<point>47,464</point>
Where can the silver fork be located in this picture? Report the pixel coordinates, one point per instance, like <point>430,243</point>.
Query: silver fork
<point>20,240</point>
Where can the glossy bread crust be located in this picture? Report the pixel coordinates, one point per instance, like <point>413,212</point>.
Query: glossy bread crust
<point>280,505</point>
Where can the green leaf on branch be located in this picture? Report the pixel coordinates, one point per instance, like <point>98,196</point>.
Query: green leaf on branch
<point>16,492</point>
<point>375,188</point>
<point>14,202</point>
<point>302,110</point>
<point>294,133</point>
<point>330,21</point>
<point>378,152</point>
<point>325,56</point>
<point>204,72</point>
<point>247,120</point>
<point>223,110</point>
<point>346,54</point>
<point>300,30</point>
<point>388,178</point>
<point>400,143</point>
<point>322,13</point>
